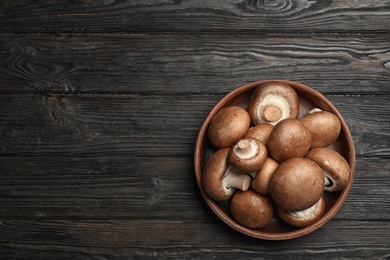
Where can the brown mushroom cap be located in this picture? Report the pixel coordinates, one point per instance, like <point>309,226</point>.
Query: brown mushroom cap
<point>219,180</point>
<point>289,138</point>
<point>251,209</point>
<point>272,102</point>
<point>297,184</point>
<point>261,181</point>
<point>261,132</point>
<point>324,127</point>
<point>247,155</point>
<point>305,217</point>
<point>228,125</point>
<point>335,168</point>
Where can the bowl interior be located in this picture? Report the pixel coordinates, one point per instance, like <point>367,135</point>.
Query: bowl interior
<point>276,230</point>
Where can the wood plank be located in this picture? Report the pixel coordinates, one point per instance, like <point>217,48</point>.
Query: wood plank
<point>185,239</point>
<point>123,187</point>
<point>148,125</point>
<point>194,63</point>
<point>221,15</point>
<point>99,188</point>
<point>87,125</point>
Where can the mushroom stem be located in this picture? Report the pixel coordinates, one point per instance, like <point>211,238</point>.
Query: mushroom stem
<point>243,144</point>
<point>273,104</point>
<point>235,180</point>
<point>253,174</point>
<point>246,149</point>
<point>272,113</point>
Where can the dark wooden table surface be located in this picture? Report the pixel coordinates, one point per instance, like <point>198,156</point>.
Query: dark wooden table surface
<point>101,102</point>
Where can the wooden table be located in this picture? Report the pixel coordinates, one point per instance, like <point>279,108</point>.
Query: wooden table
<point>101,102</point>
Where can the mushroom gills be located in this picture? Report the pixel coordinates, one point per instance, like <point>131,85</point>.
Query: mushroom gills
<point>329,181</point>
<point>314,110</point>
<point>304,214</point>
<point>234,179</point>
<point>306,217</point>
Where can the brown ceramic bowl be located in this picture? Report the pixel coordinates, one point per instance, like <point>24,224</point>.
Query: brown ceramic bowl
<point>276,230</point>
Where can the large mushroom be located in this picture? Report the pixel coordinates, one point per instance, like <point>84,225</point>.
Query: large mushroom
<point>247,155</point>
<point>289,138</point>
<point>304,217</point>
<point>220,180</point>
<point>272,102</point>
<point>251,209</point>
<point>324,127</point>
<point>228,125</point>
<point>260,183</point>
<point>297,184</point>
<point>335,168</point>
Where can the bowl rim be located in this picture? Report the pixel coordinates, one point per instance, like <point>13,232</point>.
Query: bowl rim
<point>198,153</point>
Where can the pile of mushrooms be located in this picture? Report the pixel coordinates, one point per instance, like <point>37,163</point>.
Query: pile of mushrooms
<point>269,162</point>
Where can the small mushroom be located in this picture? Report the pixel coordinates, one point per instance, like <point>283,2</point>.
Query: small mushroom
<point>251,209</point>
<point>247,155</point>
<point>220,180</point>
<point>297,184</point>
<point>261,132</point>
<point>260,183</point>
<point>289,138</point>
<point>228,125</point>
<point>304,217</point>
<point>323,126</point>
<point>272,102</point>
<point>335,168</point>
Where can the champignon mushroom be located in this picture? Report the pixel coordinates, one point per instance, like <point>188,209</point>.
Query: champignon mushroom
<point>289,138</point>
<point>220,180</point>
<point>297,184</point>
<point>323,126</point>
<point>227,126</point>
<point>261,132</point>
<point>247,155</point>
<point>260,183</point>
<point>272,102</point>
<point>335,168</point>
<point>251,209</point>
<point>304,217</point>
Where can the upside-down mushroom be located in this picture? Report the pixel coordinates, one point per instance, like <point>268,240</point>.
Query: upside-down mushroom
<point>247,155</point>
<point>272,102</point>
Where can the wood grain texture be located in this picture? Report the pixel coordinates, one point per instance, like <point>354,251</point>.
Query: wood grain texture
<point>105,187</point>
<point>114,238</point>
<point>191,64</point>
<point>175,15</point>
<point>101,102</point>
